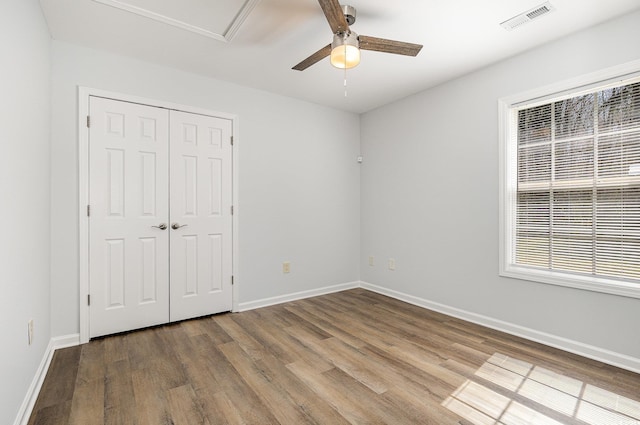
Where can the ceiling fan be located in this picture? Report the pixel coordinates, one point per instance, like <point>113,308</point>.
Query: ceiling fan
<point>345,49</point>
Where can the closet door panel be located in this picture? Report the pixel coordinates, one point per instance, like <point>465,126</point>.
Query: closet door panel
<point>128,196</point>
<point>201,221</point>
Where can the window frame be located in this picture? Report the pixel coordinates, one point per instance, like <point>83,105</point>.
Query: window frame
<point>507,131</point>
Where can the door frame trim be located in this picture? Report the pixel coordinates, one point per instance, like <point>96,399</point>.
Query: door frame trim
<point>83,189</point>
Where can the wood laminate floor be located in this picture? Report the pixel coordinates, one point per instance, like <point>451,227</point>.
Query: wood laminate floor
<point>353,357</point>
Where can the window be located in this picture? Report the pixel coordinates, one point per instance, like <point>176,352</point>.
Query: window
<point>571,188</point>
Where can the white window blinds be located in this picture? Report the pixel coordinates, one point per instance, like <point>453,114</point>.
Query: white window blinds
<point>578,185</point>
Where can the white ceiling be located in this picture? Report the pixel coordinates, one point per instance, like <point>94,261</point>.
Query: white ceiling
<point>459,36</point>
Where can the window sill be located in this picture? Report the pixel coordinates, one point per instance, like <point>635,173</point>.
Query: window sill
<point>587,283</point>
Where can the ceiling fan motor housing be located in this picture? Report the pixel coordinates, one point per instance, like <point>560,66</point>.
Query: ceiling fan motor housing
<point>349,14</point>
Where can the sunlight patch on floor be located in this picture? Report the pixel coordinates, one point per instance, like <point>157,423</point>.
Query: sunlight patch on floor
<point>542,390</point>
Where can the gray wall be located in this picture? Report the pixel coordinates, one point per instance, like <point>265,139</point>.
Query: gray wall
<point>299,181</point>
<point>430,195</point>
<point>24,197</point>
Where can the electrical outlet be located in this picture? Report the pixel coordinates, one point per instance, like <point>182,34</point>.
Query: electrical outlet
<point>286,267</point>
<point>30,331</point>
<point>371,262</point>
<point>392,263</point>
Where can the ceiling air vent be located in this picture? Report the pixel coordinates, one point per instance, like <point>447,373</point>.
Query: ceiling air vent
<point>527,16</point>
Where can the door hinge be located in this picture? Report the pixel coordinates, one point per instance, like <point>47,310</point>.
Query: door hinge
<point>232,279</point>
<point>231,209</point>
<point>88,121</point>
<point>231,140</point>
<point>88,210</point>
<point>88,299</point>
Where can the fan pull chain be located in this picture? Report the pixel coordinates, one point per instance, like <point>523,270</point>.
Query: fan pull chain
<point>345,82</point>
<point>345,70</point>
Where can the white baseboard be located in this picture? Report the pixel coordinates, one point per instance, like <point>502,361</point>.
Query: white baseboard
<point>36,384</point>
<point>265,302</point>
<point>65,341</point>
<point>596,353</point>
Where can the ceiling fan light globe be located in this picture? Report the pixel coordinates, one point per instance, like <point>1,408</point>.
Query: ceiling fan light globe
<point>345,51</point>
<point>345,57</point>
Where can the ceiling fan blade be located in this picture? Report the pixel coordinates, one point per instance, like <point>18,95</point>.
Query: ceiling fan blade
<point>334,14</point>
<point>317,56</point>
<point>389,46</point>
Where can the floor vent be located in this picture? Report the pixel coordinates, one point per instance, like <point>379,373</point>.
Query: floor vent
<point>527,16</point>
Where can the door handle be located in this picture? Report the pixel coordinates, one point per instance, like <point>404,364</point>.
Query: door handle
<point>162,226</point>
<point>176,226</point>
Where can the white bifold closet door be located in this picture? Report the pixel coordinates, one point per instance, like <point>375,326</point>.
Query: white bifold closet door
<point>160,227</point>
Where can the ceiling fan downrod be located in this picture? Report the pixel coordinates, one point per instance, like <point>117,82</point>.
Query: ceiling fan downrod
<point>349,13</point>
